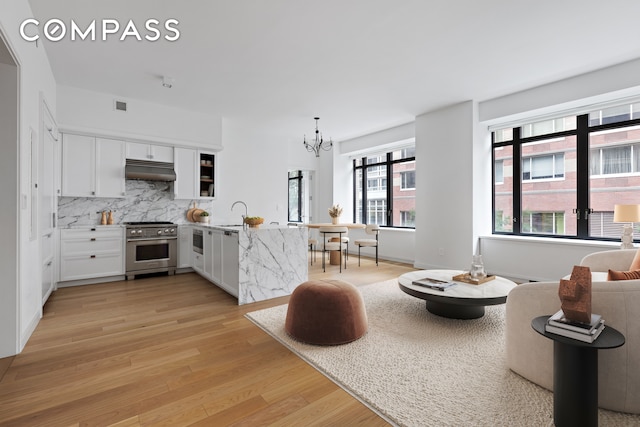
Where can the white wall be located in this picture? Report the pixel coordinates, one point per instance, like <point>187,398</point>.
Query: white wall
<point>19,274</point>
<point>534,258</point>
<point>444,187</point>
<point>380,140</point>
<point>609,83</point>
<point>93,112</point>
<point>253,168</point>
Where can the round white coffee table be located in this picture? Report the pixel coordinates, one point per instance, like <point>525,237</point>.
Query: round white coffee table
<point>462,301</point>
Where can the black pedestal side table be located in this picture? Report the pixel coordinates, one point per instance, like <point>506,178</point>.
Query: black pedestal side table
<point>575,374</point>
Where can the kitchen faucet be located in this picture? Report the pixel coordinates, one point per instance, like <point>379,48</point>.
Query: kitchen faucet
<point>244,225</point>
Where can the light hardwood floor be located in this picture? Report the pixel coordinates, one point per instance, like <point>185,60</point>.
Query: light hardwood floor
<point>171,351</point>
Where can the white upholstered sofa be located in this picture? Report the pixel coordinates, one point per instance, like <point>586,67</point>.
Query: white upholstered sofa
<point>531,355</point>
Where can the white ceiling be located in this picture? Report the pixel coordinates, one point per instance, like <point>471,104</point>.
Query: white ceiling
<point>361,65</point>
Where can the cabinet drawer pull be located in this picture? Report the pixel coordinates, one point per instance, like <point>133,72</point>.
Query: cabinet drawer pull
<point>93,229</point>
<point>92,256</point>
<point>93,239</point>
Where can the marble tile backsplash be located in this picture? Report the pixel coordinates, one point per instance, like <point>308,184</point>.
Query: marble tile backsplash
<point>144,201</point>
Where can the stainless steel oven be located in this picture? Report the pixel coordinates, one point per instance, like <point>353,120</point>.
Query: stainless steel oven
<point>151,248</point>
<point>198,242</point>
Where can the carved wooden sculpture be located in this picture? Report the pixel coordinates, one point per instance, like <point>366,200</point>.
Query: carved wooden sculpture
<point>575,295</point>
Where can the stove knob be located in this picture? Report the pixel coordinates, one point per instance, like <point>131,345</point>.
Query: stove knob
<point>139,231</point>
<point>173,230</point>
<point>166,230</point>
<point>132,232</point>
<point>159,232</point>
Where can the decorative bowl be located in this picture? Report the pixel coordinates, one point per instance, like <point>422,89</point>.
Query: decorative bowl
<point>253,221</point>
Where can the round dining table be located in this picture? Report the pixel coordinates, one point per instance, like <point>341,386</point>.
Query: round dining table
<point>334,257</point>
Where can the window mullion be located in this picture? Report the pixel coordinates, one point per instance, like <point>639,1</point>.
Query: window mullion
<point>389,203</point>
<point>365,203</point>
<point>517,181</point>
<point>582,160</point>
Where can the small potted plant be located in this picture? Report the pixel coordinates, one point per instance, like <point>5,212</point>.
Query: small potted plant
<point>253,221</point>
<point>204,217</point>
<point>334,212</point>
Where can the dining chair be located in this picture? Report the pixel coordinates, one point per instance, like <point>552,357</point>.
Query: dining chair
<point>313,247</point>
<point>328,245</point>
<point>371,229</point>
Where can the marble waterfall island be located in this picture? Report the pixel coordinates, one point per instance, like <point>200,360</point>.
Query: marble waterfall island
<point>272,262</point>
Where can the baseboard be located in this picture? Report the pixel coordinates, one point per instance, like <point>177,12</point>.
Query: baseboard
<point>90,281</point>
<point>28,331</point>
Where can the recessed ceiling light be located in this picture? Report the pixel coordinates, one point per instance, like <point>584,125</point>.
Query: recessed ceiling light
<point>167,82</point>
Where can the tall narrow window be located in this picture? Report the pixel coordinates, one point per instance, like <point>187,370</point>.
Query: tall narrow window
<point>296,190</point>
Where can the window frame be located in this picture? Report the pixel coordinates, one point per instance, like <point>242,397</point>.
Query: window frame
<point>363,166</point>
<point>298,177</point>
<point>582,132</point>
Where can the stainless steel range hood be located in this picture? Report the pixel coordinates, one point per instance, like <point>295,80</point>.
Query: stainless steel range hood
<point>150,171</point>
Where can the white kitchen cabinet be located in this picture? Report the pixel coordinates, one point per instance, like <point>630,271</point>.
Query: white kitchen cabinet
<point>110,163</point>
<point>197,262</point>
<point>207,170</point>
<point>185,164</point>
<point>48,279</point>
<point>208,253</point>
<point>195,174</point>
<point>149,152</point>
<point>48,256</point>
<point>213,255</point>
<point>219,262</point>
<point>185,246</point>
<point>78,166</point>
<point>92,167</point>
<point>230,263</point>
<point>216,256</point>
<point>87,253</point>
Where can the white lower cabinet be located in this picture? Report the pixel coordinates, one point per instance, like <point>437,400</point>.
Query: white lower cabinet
<point>208,254</point>
<point>185,246</point>
<point>217,252</point>
<point>197,262</point>
<point>230,263</point>
<point>219,263</point>
<point>92,252</point>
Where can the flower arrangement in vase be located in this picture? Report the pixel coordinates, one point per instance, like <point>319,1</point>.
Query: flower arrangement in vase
<point>334,212</point>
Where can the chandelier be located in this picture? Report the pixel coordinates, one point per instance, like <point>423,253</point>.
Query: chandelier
<point>318,143</point>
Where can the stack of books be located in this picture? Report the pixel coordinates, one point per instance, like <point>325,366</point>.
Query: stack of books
<point>587,332</point>
<point>439,285</point>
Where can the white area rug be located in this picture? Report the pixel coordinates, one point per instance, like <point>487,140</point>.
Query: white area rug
<point>417,369</point>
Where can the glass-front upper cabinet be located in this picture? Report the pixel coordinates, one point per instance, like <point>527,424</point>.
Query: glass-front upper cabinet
<point>207,177</point>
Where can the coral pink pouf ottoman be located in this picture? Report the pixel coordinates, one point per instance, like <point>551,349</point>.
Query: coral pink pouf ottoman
<point>326,312</point>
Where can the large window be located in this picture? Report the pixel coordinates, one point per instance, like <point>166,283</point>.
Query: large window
<point>563,176</point>
<point>385,183</point>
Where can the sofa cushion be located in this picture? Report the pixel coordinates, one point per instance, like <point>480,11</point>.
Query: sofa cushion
<point>623,275</point>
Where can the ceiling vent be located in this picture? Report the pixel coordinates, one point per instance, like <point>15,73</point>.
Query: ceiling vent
<point>121,106</point>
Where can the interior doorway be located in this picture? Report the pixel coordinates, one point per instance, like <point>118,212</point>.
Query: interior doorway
<point>300,196</point>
